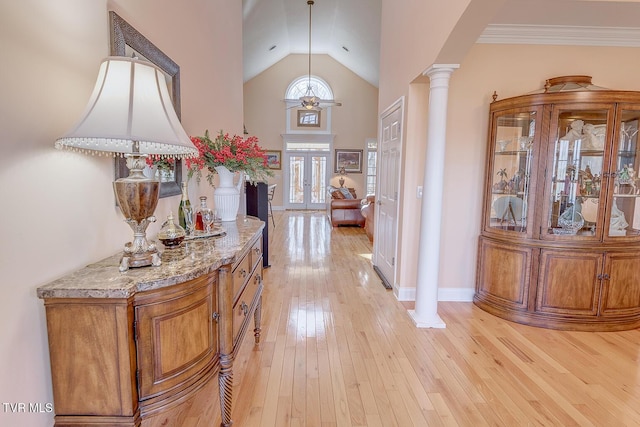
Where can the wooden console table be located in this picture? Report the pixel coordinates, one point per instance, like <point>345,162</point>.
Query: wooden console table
<point>143,347</point>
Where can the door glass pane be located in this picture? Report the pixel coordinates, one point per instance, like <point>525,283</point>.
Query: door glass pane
<point>578,155</point>
<point>296,179</point>
<point>318,178</point>
<point>625,209</point>
<point>511,171</point>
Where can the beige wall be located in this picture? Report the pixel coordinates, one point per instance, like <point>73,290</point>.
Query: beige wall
<point>414,150</point>
<point>510,70</point>
<point>58,210</point>
<point>205,39</point>
<point>412,35</point>
<point>352,123</point>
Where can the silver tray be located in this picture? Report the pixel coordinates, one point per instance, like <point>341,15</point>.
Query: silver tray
<point>217,231</point>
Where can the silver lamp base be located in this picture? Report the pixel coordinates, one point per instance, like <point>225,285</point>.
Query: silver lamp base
<point>138,197</point>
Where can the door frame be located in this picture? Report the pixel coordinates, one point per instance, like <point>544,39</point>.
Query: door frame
<point>287,177</point>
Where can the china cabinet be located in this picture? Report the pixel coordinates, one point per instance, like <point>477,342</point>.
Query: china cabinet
<point>560,239</point>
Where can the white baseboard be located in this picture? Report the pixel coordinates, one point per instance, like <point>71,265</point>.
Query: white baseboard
<point>456,294</point>
<point>404,294</point>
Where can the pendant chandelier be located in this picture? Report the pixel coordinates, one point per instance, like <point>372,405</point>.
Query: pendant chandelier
<point>310,101</point>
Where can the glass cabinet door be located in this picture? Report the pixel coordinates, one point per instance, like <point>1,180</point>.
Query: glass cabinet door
<point>624,216</point>
<point>577,146</point>
<point>512,136</point>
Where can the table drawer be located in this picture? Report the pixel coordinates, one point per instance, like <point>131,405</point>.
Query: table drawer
<point>241,275</point>
<point>256,252</point>
<point>245,305</point>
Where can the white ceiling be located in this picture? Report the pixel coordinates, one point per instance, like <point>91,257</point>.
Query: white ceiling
<point>355,25</point>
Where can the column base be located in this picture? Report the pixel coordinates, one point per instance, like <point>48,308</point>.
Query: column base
<point>433,321</point>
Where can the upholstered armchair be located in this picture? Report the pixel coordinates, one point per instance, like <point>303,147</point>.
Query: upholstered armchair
<point>343,208</point>
<point>368,210</point>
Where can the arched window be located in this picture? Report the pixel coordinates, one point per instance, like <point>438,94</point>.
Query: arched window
<point>299,86</point>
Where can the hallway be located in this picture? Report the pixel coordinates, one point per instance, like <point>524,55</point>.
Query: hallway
<point>338,349</point>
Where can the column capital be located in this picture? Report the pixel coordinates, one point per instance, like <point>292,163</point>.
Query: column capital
<point>440,68</point>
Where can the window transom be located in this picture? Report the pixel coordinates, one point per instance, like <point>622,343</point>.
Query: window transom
<point>299,87</point>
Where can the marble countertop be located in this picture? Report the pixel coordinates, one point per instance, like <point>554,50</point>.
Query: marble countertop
<point>190,260</point>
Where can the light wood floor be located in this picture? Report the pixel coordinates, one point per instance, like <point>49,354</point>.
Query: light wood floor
<point>339,350</point>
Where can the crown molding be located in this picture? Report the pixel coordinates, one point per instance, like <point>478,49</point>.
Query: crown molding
<point>560,35</point>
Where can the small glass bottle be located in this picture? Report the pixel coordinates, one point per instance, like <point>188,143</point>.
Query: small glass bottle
<point>184,201</point>
<point>171,234</point>
<point>203,205</point>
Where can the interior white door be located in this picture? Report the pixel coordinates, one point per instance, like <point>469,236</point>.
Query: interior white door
<point>386,222</point>
<point>306,185</point>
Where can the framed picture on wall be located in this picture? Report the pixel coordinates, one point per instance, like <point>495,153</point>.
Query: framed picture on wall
<point>350,160</point>
<point>309,118</point>
<point>274,159</point>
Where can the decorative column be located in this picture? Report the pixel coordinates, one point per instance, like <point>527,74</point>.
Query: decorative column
<point>425,314</point>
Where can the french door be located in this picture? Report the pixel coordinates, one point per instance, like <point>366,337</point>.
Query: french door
<point>306,186</point>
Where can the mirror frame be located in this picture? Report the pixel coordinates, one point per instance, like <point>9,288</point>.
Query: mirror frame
<point>122,34</point>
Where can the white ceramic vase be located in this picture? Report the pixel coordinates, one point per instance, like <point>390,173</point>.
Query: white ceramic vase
<point>226,195</point>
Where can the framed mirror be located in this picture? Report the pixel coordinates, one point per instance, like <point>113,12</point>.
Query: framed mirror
<point>125,41</point>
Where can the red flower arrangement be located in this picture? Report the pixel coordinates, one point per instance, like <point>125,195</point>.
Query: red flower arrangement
<point>233,152</point>
<point>162,163</point>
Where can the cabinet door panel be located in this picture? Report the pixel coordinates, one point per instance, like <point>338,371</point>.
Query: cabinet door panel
<point>624,211</point>
<point>504,273</point>
<point>89,344</point>
<point>621,289</point>
<point>176,337</point>
<point>511,164</point>
<point>569,282</point>
<point>577,170</point>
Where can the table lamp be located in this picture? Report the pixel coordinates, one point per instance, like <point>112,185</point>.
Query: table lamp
<point>342,172</point>
<point>130,113</point>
